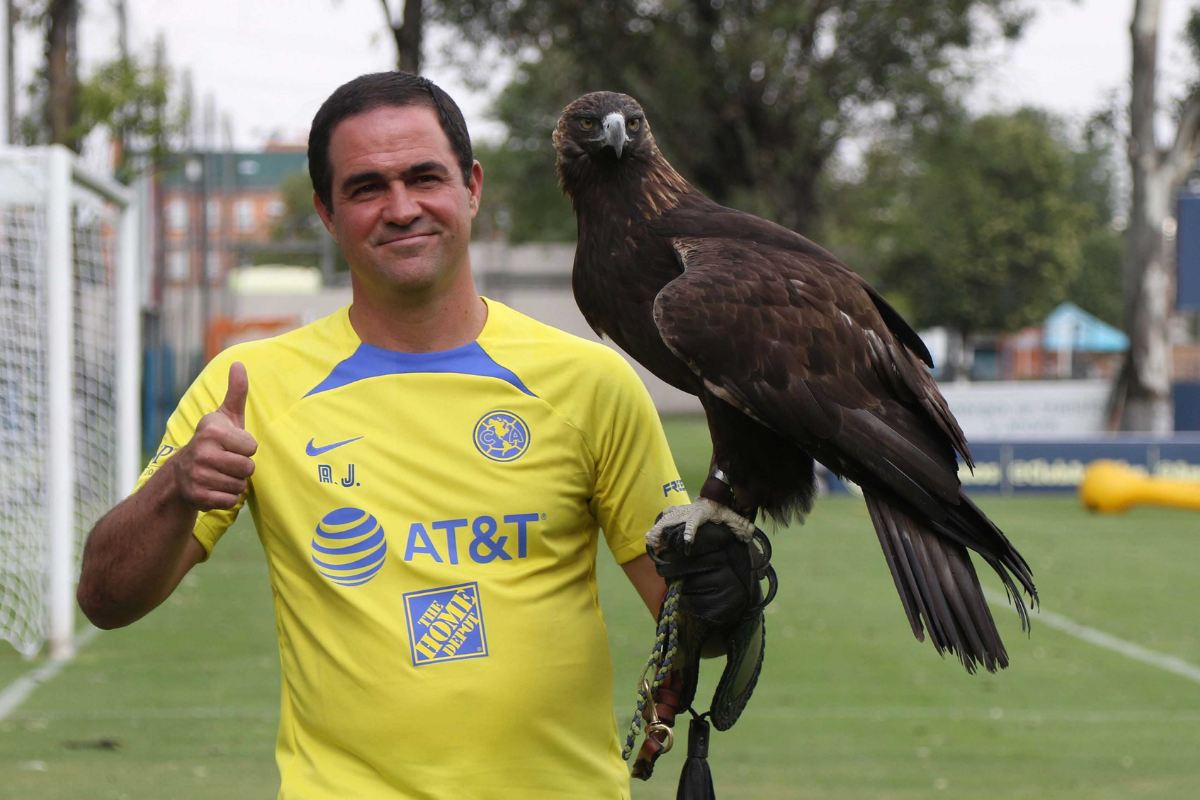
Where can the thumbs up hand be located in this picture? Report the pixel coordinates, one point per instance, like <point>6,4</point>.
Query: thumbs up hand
<point>211,470</point>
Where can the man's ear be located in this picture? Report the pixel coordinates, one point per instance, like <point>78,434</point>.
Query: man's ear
<point>325,215</point>
<point>475,187</point>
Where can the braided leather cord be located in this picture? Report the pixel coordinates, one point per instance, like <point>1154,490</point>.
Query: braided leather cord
<point>662,657</point>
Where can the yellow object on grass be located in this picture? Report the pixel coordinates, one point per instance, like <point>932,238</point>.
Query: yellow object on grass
<point>1112,487</point>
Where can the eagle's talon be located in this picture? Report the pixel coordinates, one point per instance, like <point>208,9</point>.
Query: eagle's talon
<point>693,515</point>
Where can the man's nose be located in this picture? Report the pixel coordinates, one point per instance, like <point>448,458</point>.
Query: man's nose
<point>402,207</point>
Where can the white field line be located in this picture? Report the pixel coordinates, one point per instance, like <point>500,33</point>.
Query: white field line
<point>1020,715</point>
<point>19,690</point>
<point>1172,664</point>
<point>212,712</point>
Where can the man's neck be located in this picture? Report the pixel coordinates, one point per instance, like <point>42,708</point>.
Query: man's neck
<point>419,325</point>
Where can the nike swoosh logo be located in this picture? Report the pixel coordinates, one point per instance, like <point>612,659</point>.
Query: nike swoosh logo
<point>313,450</point>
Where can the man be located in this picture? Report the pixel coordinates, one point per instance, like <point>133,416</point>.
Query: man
<point>428,472</point>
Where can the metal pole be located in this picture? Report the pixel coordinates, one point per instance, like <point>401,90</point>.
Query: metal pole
<point>205,223</point>
<point>205,278</point>
<point>129,352</point>
<point>60,368</point>
<point>187,294</point>
<point>226,193</point>
<point>157,328</point>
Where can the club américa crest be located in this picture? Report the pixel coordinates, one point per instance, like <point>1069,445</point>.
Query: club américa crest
<point>502,436</point>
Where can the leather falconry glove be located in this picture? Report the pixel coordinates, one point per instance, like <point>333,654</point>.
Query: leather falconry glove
<point>721,605</point>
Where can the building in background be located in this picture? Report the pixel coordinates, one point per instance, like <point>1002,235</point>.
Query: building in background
<point>208,215</point>
<point>238,197</point>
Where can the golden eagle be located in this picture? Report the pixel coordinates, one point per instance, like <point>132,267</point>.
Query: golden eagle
<point>793,357</point>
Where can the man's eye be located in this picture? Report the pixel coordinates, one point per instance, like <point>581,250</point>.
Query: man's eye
<point>365,187</point>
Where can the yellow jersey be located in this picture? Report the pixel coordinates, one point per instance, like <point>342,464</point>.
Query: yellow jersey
<point>430,522</point>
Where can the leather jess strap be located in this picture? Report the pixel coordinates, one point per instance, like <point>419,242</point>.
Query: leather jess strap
<point>666,701</point>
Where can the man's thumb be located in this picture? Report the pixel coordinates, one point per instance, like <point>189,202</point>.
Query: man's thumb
<point>234,405</point>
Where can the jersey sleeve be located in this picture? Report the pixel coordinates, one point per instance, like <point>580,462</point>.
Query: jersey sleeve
<point>202,397</point>
<point>636,477</point>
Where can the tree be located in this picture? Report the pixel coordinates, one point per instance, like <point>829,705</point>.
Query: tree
<point>62,71</point>
<point>980,225</point>
<point>748,98</point>
<point>1097,290</point>
<point>1156,174</point>
<point>1098,287</point>
<point>407,33</point>
<point>131,100</point>
<point>127,96</point>
<point>55,89</point>
<point>521,200</point>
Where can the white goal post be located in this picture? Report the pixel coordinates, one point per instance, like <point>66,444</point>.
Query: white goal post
<point>70,380</point>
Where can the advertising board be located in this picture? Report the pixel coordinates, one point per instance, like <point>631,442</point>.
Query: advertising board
<point>1030,466</point>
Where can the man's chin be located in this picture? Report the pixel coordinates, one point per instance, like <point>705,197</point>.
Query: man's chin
<point>411,276</point>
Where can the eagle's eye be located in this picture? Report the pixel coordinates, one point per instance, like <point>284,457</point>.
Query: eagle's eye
<point>634,124</point>
<point>587,124</point>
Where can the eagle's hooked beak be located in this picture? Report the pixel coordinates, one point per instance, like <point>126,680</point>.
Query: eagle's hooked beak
<point>614,132</point>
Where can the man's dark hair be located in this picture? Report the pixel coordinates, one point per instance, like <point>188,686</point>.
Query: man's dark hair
<point>379,90</point>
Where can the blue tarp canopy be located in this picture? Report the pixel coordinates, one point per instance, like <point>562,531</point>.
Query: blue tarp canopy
<point>1080,331</point>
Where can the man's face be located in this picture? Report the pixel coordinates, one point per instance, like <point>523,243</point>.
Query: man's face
<point>400,210</point>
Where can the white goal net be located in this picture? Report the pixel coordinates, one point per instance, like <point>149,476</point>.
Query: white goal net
<point>68,381</point>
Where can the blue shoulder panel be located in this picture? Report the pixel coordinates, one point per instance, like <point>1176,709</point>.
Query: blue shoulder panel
<point>372,362</point>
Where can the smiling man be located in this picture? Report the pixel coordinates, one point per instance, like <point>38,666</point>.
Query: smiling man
<point>429,473</point>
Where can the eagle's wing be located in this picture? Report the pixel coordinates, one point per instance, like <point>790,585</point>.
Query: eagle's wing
<point>709,220</point>
<point>795,340</point>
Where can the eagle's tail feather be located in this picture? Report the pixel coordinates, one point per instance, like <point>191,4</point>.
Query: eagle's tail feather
<point>998,552</point>
<point>938,587</point>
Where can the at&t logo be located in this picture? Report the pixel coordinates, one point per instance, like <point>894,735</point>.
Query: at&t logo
<point>349,547</point>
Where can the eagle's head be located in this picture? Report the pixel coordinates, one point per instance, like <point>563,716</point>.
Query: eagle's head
<point>603,129</point>
<point>602,126</point>
<point>604,144</point>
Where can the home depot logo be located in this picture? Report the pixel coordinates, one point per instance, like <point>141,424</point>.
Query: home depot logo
<point>445,624</point>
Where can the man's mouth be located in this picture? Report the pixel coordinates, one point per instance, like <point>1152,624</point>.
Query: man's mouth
<point>408,238</point>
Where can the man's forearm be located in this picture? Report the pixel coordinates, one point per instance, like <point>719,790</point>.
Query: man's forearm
<point>650,586</point>
<point>132,558</point>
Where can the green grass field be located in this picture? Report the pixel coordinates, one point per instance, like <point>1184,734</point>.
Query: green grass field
<point>849,706</point>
